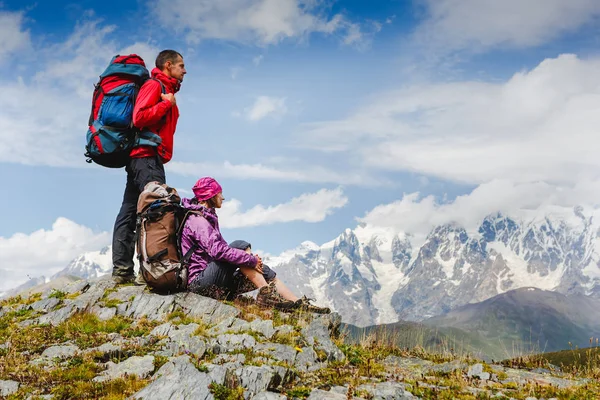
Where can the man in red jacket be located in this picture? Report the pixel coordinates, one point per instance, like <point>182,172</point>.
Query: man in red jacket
<point>157,112</point>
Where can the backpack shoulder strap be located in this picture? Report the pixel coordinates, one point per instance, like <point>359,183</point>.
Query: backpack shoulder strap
<point>163,89</point>
<point>181,223</point>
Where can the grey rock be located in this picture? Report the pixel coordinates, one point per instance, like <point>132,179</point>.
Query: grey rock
<point>476,371</point>
<point>192,345</point>
<point>541,371</point>
<point>8,387</point>
<point>182,332</point>
<point>78,286</point>
<point>318,334</point>
<point>222,373</point>
<point>163,330</point>
<point>60,352</point>
<point>407,362</point>
<point>265,328</point>
<point>229,343</point>
<point>45,305</point>
<point>269,396</point>
<point>283,330</point>
<point>155,307</point>
<point>107,350</point>
<point>339,389</point>
<point>279,352</point>
<point>208,310</point>
<point>141,367</point>
<point>27,322</point>
<point>41,396</point>
<point>177,379</point>
<point>126,293</point>
<point>237,359</point>
<point>306,360</point>
<point>58,316</point>
<point>387,390</point>
<point>531,398</point>
<point>449,367</point>
<point>257,379</point>
<point>104,313</point>
<point>318,394</point>
<point>180,340</point>
<point>229,325</point>
<point>522,377</point>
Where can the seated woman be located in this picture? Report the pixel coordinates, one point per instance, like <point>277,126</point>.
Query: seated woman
<point>213,265</point>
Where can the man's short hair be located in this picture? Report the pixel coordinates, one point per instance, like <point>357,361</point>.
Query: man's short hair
<point>166,55</point>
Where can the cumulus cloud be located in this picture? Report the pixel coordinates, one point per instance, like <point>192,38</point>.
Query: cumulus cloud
<point>265,106</point>
<point>261,22</point>
<point>13,35</point>
<point>43,119</point>
<point>418,215</point>
<point>257,60</point>
<point>540,125</point>
<point>309,207</point>
<point>305,174</point>
<point>480,24</point>
<point>45,252</point>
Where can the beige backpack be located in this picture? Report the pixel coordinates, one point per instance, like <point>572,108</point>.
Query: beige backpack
<point>160,219</point>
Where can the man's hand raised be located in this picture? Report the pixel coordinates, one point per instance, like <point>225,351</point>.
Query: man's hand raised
<point>170,97</point>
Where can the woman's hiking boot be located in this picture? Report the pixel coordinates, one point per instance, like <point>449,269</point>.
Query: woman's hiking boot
<point>268,297</point>
<point>304,305</point>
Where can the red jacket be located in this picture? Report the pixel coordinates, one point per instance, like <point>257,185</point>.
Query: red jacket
<point>149,111</point>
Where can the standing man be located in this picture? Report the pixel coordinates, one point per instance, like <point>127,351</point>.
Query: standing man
<point>157,112</point>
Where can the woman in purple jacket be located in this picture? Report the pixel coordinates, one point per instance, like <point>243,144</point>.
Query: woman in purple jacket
<point>220,271</point>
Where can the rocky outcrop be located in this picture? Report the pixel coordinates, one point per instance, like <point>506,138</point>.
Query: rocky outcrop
<point>185,346</point>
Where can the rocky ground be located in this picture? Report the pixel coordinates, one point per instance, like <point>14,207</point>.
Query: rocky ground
<point>94,340</point>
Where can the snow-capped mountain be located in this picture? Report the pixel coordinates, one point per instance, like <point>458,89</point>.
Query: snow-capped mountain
<point>89,265</point>
<point>375,275</point>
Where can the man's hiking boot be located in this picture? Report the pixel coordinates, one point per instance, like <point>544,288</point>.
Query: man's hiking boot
<point>304,305</point>
<point>123,279</point>
<point>268,297</point>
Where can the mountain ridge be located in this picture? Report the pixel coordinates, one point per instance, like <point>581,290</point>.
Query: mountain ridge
<point>374,275</point>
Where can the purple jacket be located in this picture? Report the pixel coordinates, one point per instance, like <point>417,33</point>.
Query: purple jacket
<point>204,230</point>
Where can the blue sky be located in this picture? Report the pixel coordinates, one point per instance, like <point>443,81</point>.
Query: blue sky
<point>314,115</point>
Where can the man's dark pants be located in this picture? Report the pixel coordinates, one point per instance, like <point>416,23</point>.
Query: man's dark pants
<point>140,171</point>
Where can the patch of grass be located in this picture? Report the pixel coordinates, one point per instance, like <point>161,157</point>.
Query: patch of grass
<point>222,392</point>
<point>58,294</point>
<point>159,361</point>
<point>12,301</point>
<point>200,366</point>
<point>110,390</point>
<point>142,327</point>
<point>300,392</point>
<point>33,298</point>
<point>111,303</point>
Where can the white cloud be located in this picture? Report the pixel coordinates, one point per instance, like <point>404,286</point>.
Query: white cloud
<point>43,119</point>
<point>262,22</point>
<point>480,24</point>
<point>417,215</point>
<point>539,125</point>
<point>13,36</point>
<point>305,174</point>
<point>45,252</point>
<point>265,106</point>
<point>257,60</point>
<point>309,207</point>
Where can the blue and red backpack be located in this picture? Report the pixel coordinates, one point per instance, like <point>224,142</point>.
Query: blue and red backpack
<point>111,134</point>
